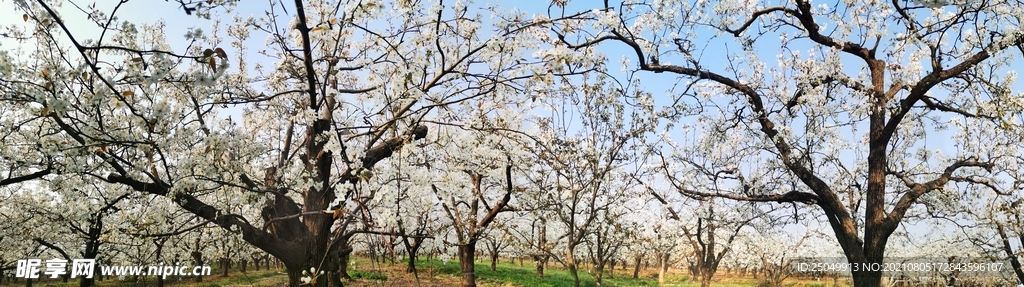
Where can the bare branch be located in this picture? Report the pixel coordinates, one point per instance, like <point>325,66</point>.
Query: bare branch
<point>918,189</point>
<point>251,234</point>
<point>307,55</point>
<point>792,196</point>
<point>26,177</point>
<point>753,18</point>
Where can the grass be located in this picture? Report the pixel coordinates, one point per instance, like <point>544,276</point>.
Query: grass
<point>511,274</point>
<point>434,272</point>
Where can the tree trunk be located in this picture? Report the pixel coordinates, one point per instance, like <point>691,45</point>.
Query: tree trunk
<point>662,268</point>
<point>91,251</point>
<point>494,260</point>
<point>867,279</point>
<point>1008,249</point>
<point>294,276</point>
<point>570,262</point>
<point>197,257</point>
<point>598,274</point>
<point>225,264</point>
<point>316,251</point>
<point>388,243</point>
<point>708,269</point>
<point>864,278</point>
<point>411,266</point>
<point>346,256</point>
<point>412,248</point>
<point>705,279</point>
<point>636,266</point>
<point>611,269</point>
<point>334,278</point>
<point>695,267</point>
<point>159,257</point>
<point>542,241</point>
<point>539,261</point>
<point>466,261</point>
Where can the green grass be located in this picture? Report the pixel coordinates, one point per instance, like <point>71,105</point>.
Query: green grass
<point>512,274</point>
<point>509,274</point>
<point>369,275</point>
<point>434,272</point>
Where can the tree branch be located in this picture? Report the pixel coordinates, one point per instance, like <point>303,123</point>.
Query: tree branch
<point>52,246</point>
<point>791,196</point>
<point>757,14</point>
<point>894,217</point>
<point>498,207</point>
<point>307,55</point>
<point>26,177</point>
<point>257,237</point>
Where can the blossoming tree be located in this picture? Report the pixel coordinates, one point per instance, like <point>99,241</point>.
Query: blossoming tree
<point>849,99</point>
<point>291,129</point>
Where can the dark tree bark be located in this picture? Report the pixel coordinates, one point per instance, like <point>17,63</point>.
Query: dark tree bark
<point>25,177</point>
<point>225,265</point>
<point>159,255</point>
<point>1008,249</point>
<point>467,263</point>
<point>344,258</point>
<point>197,259</point>
<point>412,248</point>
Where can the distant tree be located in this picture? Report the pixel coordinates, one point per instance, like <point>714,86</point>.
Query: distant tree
<point>496,241</point>
<point>1001,234</point>
<point>587,149</point>
<point>474,186</point>
<point>608,238</point>
<point>463,178</point>
<point>80,224</point>
<point>713,226</point>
